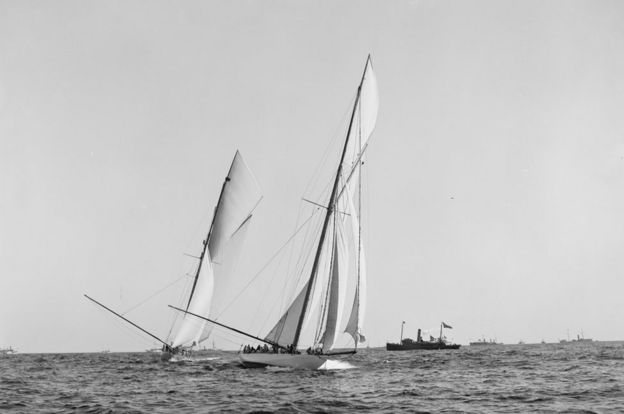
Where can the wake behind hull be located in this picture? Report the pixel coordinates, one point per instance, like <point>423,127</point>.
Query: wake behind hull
<point>296,361</point>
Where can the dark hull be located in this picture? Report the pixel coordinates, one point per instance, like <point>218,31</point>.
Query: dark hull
<point>420,345</point>
<point>484,343</point>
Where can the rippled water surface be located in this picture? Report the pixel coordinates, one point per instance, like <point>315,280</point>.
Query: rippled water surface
<point>519,378</point>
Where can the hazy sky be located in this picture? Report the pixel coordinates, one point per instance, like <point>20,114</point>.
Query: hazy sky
<point>495,182</point>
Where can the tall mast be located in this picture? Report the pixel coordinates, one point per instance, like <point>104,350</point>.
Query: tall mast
<point>207,240</point>
<point>329,211</point>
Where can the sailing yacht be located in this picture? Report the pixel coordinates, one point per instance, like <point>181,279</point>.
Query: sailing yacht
<point>322,298</point>
<point>7,351</point>
<point>240,195</point>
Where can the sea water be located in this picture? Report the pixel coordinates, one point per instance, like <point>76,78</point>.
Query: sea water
<point>545,378</point>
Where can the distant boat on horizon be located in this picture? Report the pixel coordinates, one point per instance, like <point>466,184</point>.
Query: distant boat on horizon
<point>8,351</point>
<point>484,342</point>
<point>579,338</point>
<point>409,344</point>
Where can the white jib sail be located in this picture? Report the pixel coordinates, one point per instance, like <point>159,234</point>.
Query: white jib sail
<point>192,327</point>
<point>284,330</point>
<point>239,197</point>
<point>223,271</point>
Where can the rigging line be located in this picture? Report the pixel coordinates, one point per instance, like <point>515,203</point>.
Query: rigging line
<point>264,294</point>
<point>281,304</point>
<point>285,286</point>
<point>229,327</point>
<point>324,192</point>
<point>308,238</point>
<point>125,319</point>
<point>335,135</point>
<point>222,338</point>
<point>312,240</point>
<point>325,307</point>
<point>181,299</point>
<point>154,294</point>
<point>265,266</point>
<point>133,334</point>
<point>307,246</point>
<point>289,268</point>
<point>288,271</point>
<point>302,259</point>
<point>291,253</point>
<point>292,250</point>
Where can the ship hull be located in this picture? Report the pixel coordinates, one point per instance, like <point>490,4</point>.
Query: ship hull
<point>296,361</point>
<point>484,344</point>
<point>420,345</point>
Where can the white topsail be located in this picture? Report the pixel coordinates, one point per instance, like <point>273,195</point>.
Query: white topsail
<point>240,195</point>
<point>327,284</point>
<point>364,123</point>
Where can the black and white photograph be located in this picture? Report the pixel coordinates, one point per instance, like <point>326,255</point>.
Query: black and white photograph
<point>315,206</point>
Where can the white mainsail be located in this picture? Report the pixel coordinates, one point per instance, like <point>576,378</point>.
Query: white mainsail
<point>240,195</point>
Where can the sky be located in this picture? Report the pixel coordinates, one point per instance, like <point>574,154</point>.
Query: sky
<point>494,184</point>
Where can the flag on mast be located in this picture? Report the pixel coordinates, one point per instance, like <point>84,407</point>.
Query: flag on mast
<point>444,325</point>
